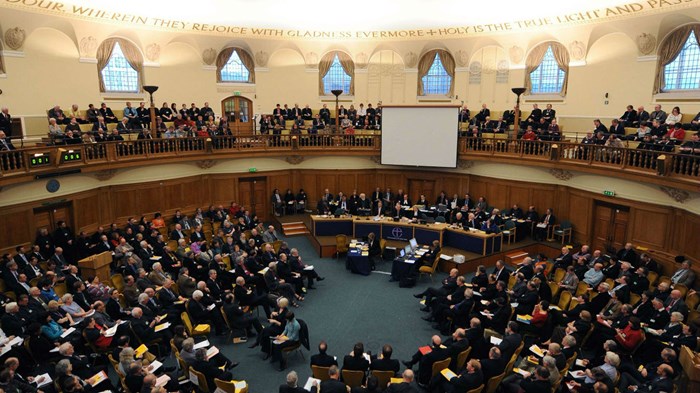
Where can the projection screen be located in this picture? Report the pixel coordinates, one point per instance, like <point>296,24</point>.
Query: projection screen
<point>420,136</point>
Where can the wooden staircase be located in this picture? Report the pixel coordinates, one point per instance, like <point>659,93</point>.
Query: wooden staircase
<point>294,229</point>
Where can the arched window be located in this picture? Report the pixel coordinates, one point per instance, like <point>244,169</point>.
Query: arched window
<point>336,71</point>
<point>436,70</point>
<point>120,66</point>
<point>683,72</point>
<point>547,69</point>
<point>234,65</point>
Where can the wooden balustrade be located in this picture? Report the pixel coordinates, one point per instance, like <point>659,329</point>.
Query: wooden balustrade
<point>661,166</point>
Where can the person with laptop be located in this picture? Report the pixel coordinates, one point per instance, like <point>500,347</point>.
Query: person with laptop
<point>428,258</point>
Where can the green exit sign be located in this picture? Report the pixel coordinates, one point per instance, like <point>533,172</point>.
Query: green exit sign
<point>236,93</point>
<point>252,169</point>
<point>609,193</point>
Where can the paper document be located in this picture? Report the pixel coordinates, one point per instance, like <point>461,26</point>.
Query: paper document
<point>496,340</point>
<point>67,332</point>
<point>519,371</point>
<point>154,366</point>
<point>161,326</point>
<point>203,344</point>
<point>578,374</point>
<point>445,257</point>
<point>310,383</point>
<point>580,363</point>
<point>211,306</point>
<point>97,378</point>
<point>162,380</point>
<point>140,351</point>
<point>111,331</point>
<point>536,350</point>
<point>447,373</point>
<point>42,380</point>
<point>310,267</point>
<point>211,352</point>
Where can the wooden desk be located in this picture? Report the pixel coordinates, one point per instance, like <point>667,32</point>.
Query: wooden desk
<point>96,265</point>
<point>331,226</point>
<point>478,242</point>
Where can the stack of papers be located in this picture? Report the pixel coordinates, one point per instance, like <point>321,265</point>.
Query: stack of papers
<point>202,344</point>
<point>310,267</point>
<point>310,383</point>
<point>97,378</point>
<point>524,318</point>
<point>396,380</point>
<point>154,366</point>
<point>161,326</point>
<point>536,350</point>
<point>447,373</point>
<point>495,340</point>
<point>140,351</point>
<point>67,332</point>
<point>519,371</point>
<point>424,350</point>
<point>211,352</point>
<point>580,363</point>
<point>162,380</point>
<point>111,331</point>
<point>263,271</point>
<point>578,374</point>
<point>42,380</point>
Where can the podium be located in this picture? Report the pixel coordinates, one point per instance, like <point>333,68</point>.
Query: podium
<point>96,265</point>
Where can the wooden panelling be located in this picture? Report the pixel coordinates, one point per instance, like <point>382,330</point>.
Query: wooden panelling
<point>496,194</point>
<point>522,196</point>
<point>649,228</point>
<point>579,214</point>
<point>86,219</point>
<point>15,229</point>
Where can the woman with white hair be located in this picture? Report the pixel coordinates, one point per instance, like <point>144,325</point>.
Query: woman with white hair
<point>72,308</point>
<point>278,320</point>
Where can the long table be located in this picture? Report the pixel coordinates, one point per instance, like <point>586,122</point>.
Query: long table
<point>477,242</point>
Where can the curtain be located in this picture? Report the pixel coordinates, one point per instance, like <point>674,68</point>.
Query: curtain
<point>448,62</point>
<point>349,68</point>
<point>131,53</point>
<point>533,61</point>
<point>2,60</point>
<point>669,49</point>
<point>325,65</point>
<point>561,55</point>
<point>246,59</point>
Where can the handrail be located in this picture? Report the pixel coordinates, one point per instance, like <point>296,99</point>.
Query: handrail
<point>19,162</point>
<point>651,162</point>
<point>666,167</point>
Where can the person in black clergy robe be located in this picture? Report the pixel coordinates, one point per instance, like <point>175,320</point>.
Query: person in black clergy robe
<point>384,362</point>
<point>322,359</point>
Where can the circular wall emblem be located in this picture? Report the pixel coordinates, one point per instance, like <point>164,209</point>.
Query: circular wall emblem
<point>397,232</point>
<point>52,185</point>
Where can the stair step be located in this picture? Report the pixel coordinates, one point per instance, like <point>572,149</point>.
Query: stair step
<point>296,232</point>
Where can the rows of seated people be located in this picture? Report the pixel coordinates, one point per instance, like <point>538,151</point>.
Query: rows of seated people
<point>298,119</point>
<point>463,212</point>
<point>207,272</point>
<point>612,321</point>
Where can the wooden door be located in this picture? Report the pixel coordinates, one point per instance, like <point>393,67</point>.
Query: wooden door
<point>47,217</point>
<point>253,194</point>
<point>416,187</point>
<point>239,113</point>
<point>610,226</point>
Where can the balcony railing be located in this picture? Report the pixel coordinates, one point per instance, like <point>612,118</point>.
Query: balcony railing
<point>626,159</point>
<point>665,167</point>
<point>41,159</point>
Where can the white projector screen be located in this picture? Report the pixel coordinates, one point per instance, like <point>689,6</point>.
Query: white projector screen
<point>420,136</point>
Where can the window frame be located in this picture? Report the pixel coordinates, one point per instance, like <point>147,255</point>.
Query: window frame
<point>447,76</point>
<point>560,75</point>
<point>242,66</point>
<point>691,41</point>
<point>327,87</point>
<point>126,66</point>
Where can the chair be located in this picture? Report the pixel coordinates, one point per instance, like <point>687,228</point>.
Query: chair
<point>563,230</point>
<point>382,245</point>
<point>462,358</point>
<point>559,274</point>
<point>573,303</point>
<point>201,380</point>
<point>353,378</point>
<point>509,231</point>
<point>383,376</point>
<point>440,365</point>
<point>173,348</point>
<point>118,281</point>
<point>564,299</point>
<point>11,295</point>
<point>60,289</point>
<point>553,288</point>
<point>493,383</point>
<point>321,373</point>
<point>341,244</point>
<point>511,282</point>
<point>652,277</point>
<point>122,301</point>
<point>634,298</point>
<point>692,301</point>
<point>229,386</point>
<point>196,330</point>
<point>429,270</point>
<point>303,341</point>
<point>581,289</point>
<point>276,245</point>
<point>681,287</point>
<point>440,219</point>
<point>184,367</point>
<point>476,389</point>
<point>92,346</point>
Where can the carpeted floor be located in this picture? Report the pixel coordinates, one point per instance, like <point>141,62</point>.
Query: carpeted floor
<point>344,309</point>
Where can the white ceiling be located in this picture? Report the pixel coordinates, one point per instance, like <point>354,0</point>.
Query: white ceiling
<point>349,15</point>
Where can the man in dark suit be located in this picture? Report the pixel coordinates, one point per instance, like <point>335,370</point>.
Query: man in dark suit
<point>456,344</point>
<point>542,228</point>
<point>627,254</point>
<point>449,285</point>
<point>291,385</point>
<point>385,362</point>
<point>511,341</point>
<point>501,272</point>
<point>322,359</point>
<point>12,323</point>
<point>425,364</point>
<point>209,369</point>
<point>469,379</point>
<point>333,384</point>
<point>356,361</point>
<point>537,382</point>
<point>661,383</point>
<point>406,386</point>
<point>493,365</point>
<point>5,121</point>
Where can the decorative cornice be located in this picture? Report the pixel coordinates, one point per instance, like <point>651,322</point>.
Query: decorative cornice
<point>105,174</point>
<point>561,174</point>
<point>294,160</point>
<point>205,164</point>
<point>465,164</point>
<point>677,195</point>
